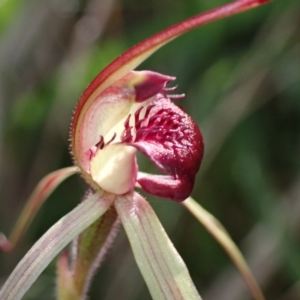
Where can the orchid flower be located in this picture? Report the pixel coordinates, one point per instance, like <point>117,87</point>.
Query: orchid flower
<point>121,112</point>
<point>136,113</point>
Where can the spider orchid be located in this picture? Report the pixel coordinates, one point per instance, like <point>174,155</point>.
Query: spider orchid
<point>136,113</point>
<point>121,112</point>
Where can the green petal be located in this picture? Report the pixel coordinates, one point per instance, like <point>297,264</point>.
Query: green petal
<point>214,227</point>
<point>42,191</point>
<point>163,269</point>
<point>51,243</point>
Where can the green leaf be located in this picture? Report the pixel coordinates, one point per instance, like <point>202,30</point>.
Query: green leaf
<point>163,269</point>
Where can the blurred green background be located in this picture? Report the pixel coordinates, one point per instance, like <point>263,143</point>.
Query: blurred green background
<point>241,77</point>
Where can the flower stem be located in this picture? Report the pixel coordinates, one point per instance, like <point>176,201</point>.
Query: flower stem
<point>91,247</point>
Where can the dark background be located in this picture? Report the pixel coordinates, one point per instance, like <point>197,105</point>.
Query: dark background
<point>241,77</point>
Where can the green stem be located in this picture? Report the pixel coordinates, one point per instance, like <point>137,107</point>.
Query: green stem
<point>91,246</point>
